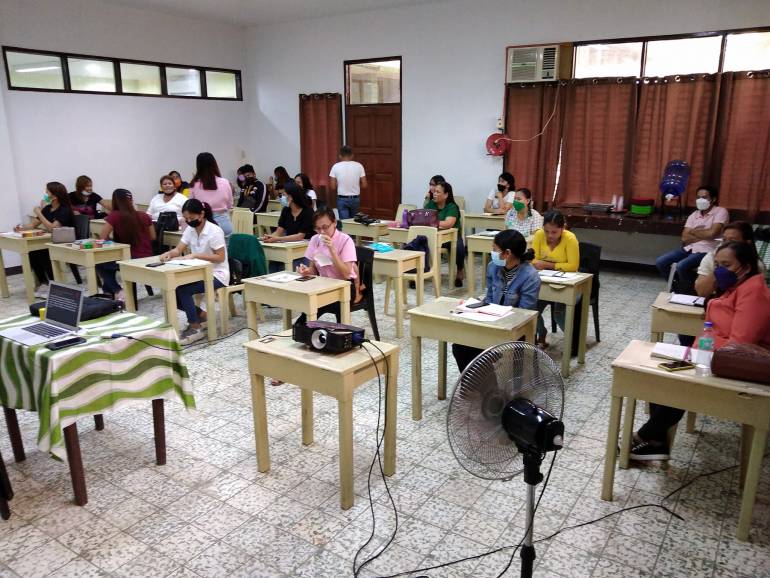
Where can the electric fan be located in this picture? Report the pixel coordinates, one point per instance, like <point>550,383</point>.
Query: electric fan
<point>504,416</point>
<point>497,144</point>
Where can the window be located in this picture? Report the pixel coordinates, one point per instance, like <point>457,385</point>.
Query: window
<point>750,51</point>
<point>374,82</point>
<point>221,84</point>
<point>183,81</point>
<point>683,56</point>
<point>34,70</point>
<point>140,78</point>
<point>91,75</point>
<point>620,59</point>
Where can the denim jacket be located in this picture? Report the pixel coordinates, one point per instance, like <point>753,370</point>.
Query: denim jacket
<point>521,293</point>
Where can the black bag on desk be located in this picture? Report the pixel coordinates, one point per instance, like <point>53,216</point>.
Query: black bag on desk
<point>94,307</point>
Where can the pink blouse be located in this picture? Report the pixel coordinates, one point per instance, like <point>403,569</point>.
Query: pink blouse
<point>220,199</point>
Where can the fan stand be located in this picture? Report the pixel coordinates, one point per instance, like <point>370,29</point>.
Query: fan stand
<point>532,477</point>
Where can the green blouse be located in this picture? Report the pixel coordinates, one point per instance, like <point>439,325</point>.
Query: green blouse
<point>449,210</point>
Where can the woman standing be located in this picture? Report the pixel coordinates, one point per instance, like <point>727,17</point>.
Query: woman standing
<point>522,217</point>
<point>209,187</point>
<point>126,225</point>
<point>449,217</point>
<point>85,201</point>
<point>54,211</point>
<point>500,200</point>
<point>303,181</point>
<point>294,224</point>
<point>167,200</point>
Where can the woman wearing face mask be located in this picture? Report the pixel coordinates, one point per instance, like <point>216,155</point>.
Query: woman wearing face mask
<point>500,200</point>
<point>276,183</point>
<point>740,313</point>
<point>434,180</point>
<point>206,241</point>
<point>167,200</point>
<point>209,187</point>
<point>522,217</point>
<point>511,281</point>
<point>53,212</point>
<point>449,217</point>
<point>181,186</point>
<point>295,222</point>
<point>85,201</point>
<point>303,181</point>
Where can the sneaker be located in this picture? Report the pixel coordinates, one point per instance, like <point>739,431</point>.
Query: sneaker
<point>42,292</point>
<point>191,335</point>
<point>645,451</point>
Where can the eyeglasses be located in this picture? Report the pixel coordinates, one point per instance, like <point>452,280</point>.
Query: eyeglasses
<point>324,228</point>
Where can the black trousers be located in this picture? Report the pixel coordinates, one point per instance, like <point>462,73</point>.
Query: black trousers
<point>333,308</point>
<point>41,265</point>
<point>464,355</point>
<point>662,418</point>
<point>460,257</point>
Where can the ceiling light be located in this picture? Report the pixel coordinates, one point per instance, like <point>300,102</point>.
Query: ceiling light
<point>93,68</point>
<point>38,68</point>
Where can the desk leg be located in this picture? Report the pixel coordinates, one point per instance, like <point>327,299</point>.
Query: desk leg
<point>585,309</point>
<point>484,264</point>
<point>287,318</point>
<point>130,296</point>
<point>159,429</point>
<point>14,433</point>
<point>259,415</point>
<point>399,284</point>
<point>442,370</point>
<point>391,415</point>
<point>530,330</point>
<point>345,310</point>
<point>345,408</point>
<point>99,422</point>
<point>753,471</point>
<point>569,327</point>
<point>58,273</point>
<point>307,416</point>
<point>416,378</point>
<point>72,444</point>
<point>628,430</point>
<point>3,279</point>
<point>211,310</point>
<point>29,277</point>
<point>91,283</point>
<point>169,299</point>
<point>251,319</point>
<point>452,263</point>
<point>691,415</point>
<point>471,273</point>
<point>609,452</point>
<point>420,281</point>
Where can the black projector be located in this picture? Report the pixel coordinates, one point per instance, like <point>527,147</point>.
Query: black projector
<point>328,337</point>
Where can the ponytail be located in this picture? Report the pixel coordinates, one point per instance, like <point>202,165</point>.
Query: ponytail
<point>197,207</point>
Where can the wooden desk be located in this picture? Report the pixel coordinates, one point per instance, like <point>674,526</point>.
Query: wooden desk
<point>285,253</point>
<point>671,318</point>
<point>172,238</point>
<point>168,277</point>
<point>483,221</point>
<point>142,207</point>
<point>399,235</point>
<point>65,253</point>
<point>635,375</point>
<point>393,265</point>
<point>274,205</point>
<point>303,296</point>
<point>335,375</point>
<point>434,321</point>
<point>566,291</point>
<point>266,221</point>
<point>23,246</point>
<point>480,245</point>
<point>359,230</point>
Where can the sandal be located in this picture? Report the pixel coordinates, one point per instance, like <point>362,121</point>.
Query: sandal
<point>275,382</point>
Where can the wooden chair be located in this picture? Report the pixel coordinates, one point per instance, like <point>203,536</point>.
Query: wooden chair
<point>433,273</point>
<point>243,221</point>
<point>460,202</point>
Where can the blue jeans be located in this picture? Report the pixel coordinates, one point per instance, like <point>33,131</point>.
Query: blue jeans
<point>186,303</point>
<point>223,220</point>
<point>348,206</point>
<point>686,267</point>
<point>109,274</point>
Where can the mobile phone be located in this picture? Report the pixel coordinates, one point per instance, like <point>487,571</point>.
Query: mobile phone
<point>158,264</point>
<point>304,278</point>
<point>676,365</point>
<point>476,305</point>
<point>62,343</point>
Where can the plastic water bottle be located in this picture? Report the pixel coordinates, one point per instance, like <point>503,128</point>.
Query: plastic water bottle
<point>705,343</point>
<point>404,222</point>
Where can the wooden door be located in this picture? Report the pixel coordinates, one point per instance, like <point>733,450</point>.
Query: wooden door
<point>374,133</point>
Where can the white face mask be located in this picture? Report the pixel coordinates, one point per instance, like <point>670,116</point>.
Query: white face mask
<point>702,204</point>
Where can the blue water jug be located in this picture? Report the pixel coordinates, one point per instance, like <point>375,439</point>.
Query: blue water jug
<point>674,180</point>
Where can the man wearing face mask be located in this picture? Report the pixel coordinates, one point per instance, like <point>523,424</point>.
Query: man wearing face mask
<point>700,234</point>
<point>253,194</point>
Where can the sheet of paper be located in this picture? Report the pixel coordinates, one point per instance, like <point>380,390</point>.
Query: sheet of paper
<point>323,260</point>
<point>553,274</point>
<point>188,262</point>
<point>12,234</point>
<point>282,278</point>
<point>474,316</point>
<point>691,300</point>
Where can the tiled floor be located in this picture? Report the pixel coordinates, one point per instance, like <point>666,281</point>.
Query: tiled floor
<point>210,513</point>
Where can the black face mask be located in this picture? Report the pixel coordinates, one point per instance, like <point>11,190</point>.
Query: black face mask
<point>249,180</point>
<point>194,223</point>
<point>501,188</point>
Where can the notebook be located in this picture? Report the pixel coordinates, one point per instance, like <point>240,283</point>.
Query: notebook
<point>681,353</point>
<point>691,300</point>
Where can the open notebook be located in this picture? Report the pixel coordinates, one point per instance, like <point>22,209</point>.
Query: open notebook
<point>691,300</point>
<point>681,353</point>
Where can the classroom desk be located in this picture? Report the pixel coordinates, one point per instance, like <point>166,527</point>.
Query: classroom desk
<point>480,245</point>
<point>118,371</point>
<point>172,238</point>
<point>359,230</point>
<point>274,205</point>
<point>96,226</point>
<point>285,253</point>
<point>481,221</point>
<point>393,264</point>
<point>302,296</point>
<point>566,291</point>
<point>142,207</point>
<point>69,253</point>
<point>635,375</point>
<point>23,246</point>
<point>266,221</point>
<point>335,375</point>
<point>399,235</point>
<point>435,321</point>
<point>168,277</point>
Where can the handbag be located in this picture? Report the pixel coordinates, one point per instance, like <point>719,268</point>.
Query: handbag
<point>63,235</point>
<point>743,361</point>
<point>422,218</point>
<point>167,221</point>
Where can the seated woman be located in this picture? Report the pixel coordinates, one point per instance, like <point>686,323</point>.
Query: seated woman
<point>276,183</point>
<point>434,180</point>
<point>555,248</point>
<point>206,241</point>
<point>294,224</point>
<point>126,225</point>
<point>182,187</point>
<point>85,201</point>
<point>168,200</point>
<point>511,281</point>
<point>522,217</point>
<point>500,200</point>
<point>54,211</point>
<point>449,216</point>
<point>303,181</point>
<point>740,313</point>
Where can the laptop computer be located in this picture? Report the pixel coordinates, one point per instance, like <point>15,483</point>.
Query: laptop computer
<point>62,315</point>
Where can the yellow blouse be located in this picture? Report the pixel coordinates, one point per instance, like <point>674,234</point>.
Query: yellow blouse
<point>565,256</point>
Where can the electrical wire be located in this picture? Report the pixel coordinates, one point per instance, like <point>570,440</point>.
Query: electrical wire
<point>545,126</point>
<point>201,345</point>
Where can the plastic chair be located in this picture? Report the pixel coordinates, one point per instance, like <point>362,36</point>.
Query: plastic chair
<point>434,273</point>
<point>243,222</point>
<point>400,211</point>
<point>365,258</point>
<point>247,249</point>
<point>460,201</point>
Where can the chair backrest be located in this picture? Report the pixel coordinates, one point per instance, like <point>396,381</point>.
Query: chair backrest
<point>82,225</point>
<point>248,250</point>
<point>590,262</point>
<point>400,210</point>
<point>462,224</point>
<point>431,233</point>
<point>243,221</point>
<point>460,202</point>
<point>365,258</point>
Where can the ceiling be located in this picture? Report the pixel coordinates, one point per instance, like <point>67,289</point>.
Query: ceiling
<point>257,12</point>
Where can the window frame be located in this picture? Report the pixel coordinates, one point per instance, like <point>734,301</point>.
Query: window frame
<point>64,56</point>
<point>346,75</point>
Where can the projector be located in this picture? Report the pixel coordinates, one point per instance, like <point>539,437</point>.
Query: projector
<point>328,337</point>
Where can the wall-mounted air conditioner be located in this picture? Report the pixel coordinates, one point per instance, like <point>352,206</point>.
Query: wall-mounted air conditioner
<point>539,63</point>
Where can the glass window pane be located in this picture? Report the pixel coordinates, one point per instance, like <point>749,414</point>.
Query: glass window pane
<point>220,84</point>
<point>683,56</point>
<point>747,51</point>
<point>374,82</point>
<point>35,70</point>
<point>91,75</point>
<point>183,81</point>
<point>140,78</point>
<point>597,60</point>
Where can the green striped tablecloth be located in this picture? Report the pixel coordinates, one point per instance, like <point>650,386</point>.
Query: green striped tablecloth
<point>101,374</point>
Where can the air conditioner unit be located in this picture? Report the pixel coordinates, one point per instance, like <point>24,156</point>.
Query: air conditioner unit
<point>539,63</point>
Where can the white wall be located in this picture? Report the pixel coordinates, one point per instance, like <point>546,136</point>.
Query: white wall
<point>119,141</point>
<point>453,70</point>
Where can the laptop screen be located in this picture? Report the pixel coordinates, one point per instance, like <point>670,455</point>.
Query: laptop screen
<point>64,304</point>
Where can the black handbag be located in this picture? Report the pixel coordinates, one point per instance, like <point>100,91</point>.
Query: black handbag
<point>94,307</point>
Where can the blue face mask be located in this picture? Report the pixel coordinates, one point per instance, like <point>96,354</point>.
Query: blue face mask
<point>46,198</point>
<point>496,259</point>
<point>725,278</point>
<point>284,200</point>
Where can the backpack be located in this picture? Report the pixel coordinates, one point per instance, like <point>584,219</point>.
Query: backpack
<point>167,221</point>
<point>420,243</point>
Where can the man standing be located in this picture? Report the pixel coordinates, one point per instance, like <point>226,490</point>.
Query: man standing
<point>348,178</point>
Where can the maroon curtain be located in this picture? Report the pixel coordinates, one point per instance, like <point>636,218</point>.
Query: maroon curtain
<point>320,137</point>
<point>597,140</point>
